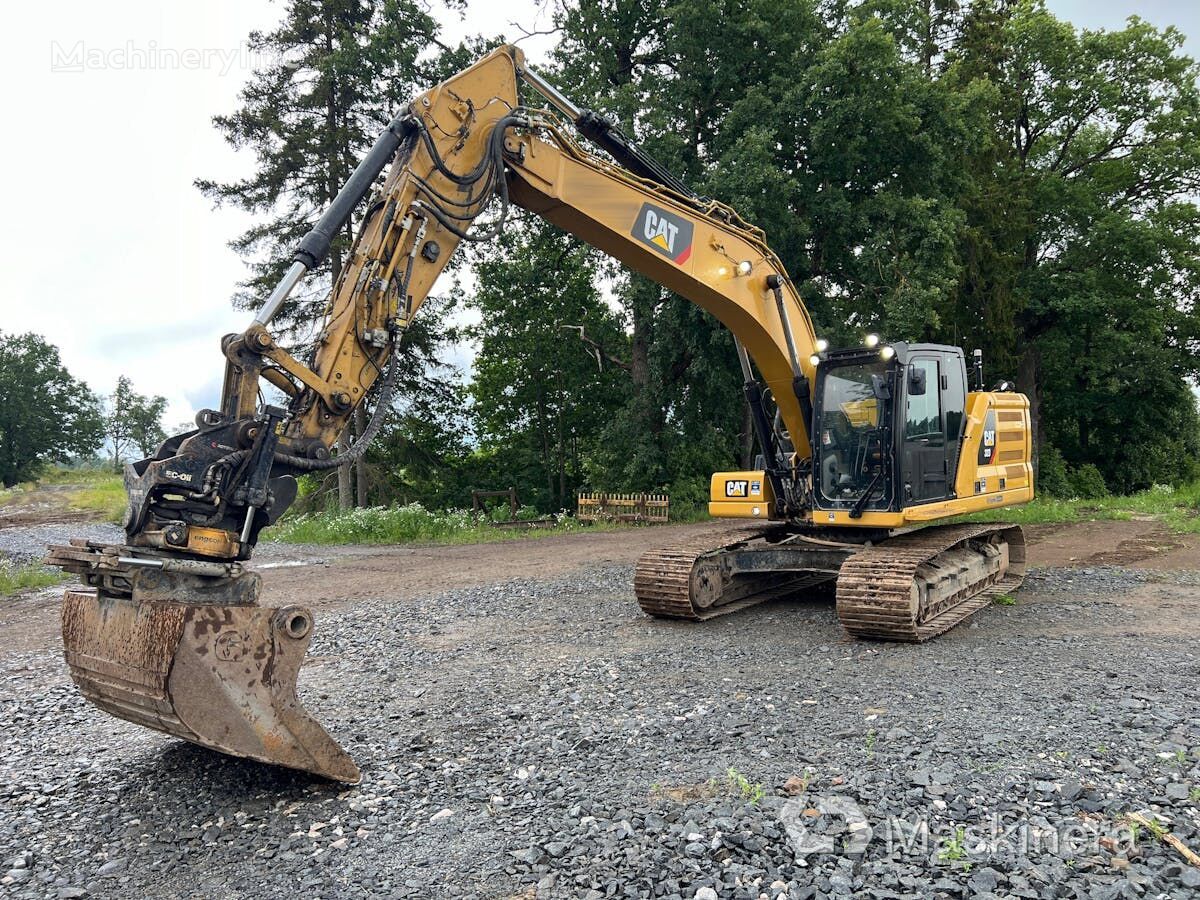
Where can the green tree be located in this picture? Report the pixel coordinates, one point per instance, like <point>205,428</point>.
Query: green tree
<point>816,126</point>
<point>1086,233</point>
<point>132,422</point>
<point>45,414</point>
<point>979,174</point>
<point>551,365</point>
<point>339,70</point>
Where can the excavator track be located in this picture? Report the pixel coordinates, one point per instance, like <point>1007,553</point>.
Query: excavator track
<point>911,587</point>
<point>688,580</point>
<point>921,584</point>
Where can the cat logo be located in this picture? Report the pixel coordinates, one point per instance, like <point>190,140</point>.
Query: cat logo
<point>987,442</point>
<point>736,488</point>
<point>666,232</point>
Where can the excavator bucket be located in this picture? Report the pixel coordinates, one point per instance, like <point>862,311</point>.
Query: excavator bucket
<point>219,675</point>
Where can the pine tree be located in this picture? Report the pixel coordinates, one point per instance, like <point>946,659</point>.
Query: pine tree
<point>338,70</point>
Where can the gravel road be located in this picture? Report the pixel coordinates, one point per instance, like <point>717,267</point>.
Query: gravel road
<point>539,737</point>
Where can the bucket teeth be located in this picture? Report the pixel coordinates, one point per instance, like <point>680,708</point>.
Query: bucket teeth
<point>221,676</point>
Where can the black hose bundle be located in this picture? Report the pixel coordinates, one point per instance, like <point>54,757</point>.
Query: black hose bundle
<point>485,181</point>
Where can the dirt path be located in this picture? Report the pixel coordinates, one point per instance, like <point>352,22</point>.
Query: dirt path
<point>47,504</point>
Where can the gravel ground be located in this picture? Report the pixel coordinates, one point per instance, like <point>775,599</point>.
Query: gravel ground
<point>29,543</point>
<point>541,738</point>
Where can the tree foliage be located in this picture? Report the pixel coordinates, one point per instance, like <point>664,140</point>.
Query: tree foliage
<point>339,70</point>
<point>980,174</point>
<point>549,370</point>
<point>46,415</point>
<point>132,422</point>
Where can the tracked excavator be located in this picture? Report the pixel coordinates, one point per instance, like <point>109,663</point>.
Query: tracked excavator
<point>863,448</point>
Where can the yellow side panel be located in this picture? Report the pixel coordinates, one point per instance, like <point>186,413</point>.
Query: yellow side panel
<point>997,448</point>
<point>925,512</point>
<point>740,495</point>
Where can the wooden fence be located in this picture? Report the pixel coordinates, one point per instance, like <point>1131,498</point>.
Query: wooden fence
<point>603,507</point>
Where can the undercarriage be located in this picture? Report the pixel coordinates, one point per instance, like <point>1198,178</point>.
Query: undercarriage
<point>909,586</point>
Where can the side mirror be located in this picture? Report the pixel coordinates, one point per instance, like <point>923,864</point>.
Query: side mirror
<point>879,387</point>
<point>916,381</point>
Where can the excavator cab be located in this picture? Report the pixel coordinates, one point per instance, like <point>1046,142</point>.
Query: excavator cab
<point>888,426</point>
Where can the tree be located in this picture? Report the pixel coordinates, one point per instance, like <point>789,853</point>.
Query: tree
<point>340,69</point>
<point>552,361</point>
<point>132,421</point>
<point>45,414</point>
<point>1085,232</point>
<point>979,174</point>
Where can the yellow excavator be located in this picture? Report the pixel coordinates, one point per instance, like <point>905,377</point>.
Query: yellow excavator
<point>859,446</point>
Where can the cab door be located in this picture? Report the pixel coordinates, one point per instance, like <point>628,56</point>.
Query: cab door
<point>925,475</point>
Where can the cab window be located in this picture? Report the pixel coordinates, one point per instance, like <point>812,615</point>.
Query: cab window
<point>923,413</point>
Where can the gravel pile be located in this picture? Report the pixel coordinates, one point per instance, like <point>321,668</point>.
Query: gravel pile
<point>542,739</point>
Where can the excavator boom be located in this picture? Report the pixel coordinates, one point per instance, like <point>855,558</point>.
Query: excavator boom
<point>169,632</point>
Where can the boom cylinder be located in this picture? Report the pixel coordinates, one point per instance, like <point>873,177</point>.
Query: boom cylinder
<point>314,246</point>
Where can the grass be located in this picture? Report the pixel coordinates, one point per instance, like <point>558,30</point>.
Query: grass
<point>734,784</point>
<point>1178,508</point>
<point>954,848</point>
<point>739,785</point>
<point>80,476</point>
<point>96,490</point>
<point>406,525</point>
<point>104,493</point>
<point>26,577</point>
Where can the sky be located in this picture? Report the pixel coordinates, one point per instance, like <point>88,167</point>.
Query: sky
<point>109,251</point>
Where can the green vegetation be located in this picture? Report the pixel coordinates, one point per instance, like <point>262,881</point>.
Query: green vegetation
<point>741,786</point>
<point>46,415</point>
<point>132,422</point>
<point>734,784</point>
<point>977,173</point>
<point>954,847</point>
<point>411,523</point>
<point>101,492</point>
<point>1177,507</point>
<point>26,577</point>
<point>1005,600</point>
<point>91,488</point>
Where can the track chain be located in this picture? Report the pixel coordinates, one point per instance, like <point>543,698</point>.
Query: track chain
<point>663,578</point>
<point>874,587</point>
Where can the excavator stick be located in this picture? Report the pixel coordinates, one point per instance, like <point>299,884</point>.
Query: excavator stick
<point>217,673</point>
